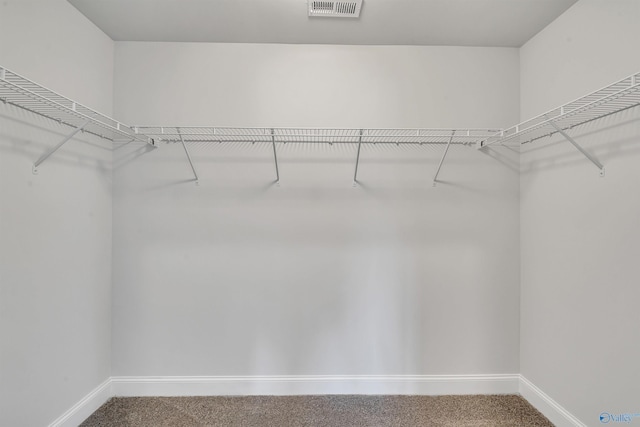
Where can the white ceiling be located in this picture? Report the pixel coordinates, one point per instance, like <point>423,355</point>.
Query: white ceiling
<point>507,23</point>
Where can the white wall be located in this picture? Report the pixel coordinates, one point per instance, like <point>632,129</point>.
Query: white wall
<point>241,277</point>
<point>315,85</point>
<point>579,232</point>
<point>55,228</point>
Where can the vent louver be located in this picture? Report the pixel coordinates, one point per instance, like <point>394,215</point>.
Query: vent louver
<point>335,9</point>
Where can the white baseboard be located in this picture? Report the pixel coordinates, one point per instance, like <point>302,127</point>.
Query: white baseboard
<point>310,385</point>
<point>551,409</point>
<point>318,384</point>
<point>85,407</point>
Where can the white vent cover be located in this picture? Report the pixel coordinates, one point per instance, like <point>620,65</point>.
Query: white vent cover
<point>335,9</point>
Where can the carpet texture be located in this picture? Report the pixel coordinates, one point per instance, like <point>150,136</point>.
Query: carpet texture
<point>333,410</point>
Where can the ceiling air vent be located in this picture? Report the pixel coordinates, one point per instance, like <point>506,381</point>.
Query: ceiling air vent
<point>335,9</point>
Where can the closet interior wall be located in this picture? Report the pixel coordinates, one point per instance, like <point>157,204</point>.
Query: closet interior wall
<point>55,228</point>
<point>580,236</point>
<point>240,276</point>
<point>513,263</point>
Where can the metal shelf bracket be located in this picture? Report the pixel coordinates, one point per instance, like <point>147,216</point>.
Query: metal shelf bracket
<point>186,151</point>
<point>578,147</point>
<point>435,177</point>
<point>57,147</point>
<point>275,156</point>
<point>355,173</point>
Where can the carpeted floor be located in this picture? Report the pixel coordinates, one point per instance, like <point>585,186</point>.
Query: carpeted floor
<point>334,410</point>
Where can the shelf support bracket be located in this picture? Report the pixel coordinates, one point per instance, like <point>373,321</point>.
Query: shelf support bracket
<point>275,155</point>
<point>186,151</point>
<point>57,147</point>
<point>578,147</point>
<point>435,177</point>
<point>355,173</point>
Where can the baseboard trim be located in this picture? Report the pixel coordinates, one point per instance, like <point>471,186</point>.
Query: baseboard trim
<point>551,409</point>
<point>85,407</point>
<point>317,384</point>
<point>309,385</point>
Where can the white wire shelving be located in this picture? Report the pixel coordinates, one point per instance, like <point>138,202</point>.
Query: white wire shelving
<point>612,99</point>
<point>273,136</point>
<point>315,135</point>
<point>21,92</point>
<point>26,94</point>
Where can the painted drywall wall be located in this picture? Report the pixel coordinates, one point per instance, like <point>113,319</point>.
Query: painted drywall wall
<point>55,228</point>
<point>579,232</point>
<point>240,276</point>
<point>314,85</point>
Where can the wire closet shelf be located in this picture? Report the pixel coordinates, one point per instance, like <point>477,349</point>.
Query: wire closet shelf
<point>273,136</point>
<point>21,92</point>
<point>28,95</point>
<point>315,135</point>
<point>609,100</point>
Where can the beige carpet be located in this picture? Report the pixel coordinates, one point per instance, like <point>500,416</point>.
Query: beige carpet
<point>333,410</point>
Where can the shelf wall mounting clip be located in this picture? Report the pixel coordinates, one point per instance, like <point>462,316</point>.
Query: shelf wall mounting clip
<point>355,173</point>
<point>57,147</point>
<point>275,155</point>
<point>578,147</point>
<point>435,177</point>
<point>186,151</point>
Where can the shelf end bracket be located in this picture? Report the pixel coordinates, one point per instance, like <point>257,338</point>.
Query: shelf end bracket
<point>355,173</point>
<point>578,147</point>
<point>275,156</point>
<point>57,147</point>
<point>186,151</point>
<point>435,177</point>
